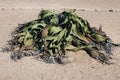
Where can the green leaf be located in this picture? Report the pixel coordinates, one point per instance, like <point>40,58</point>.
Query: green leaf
<point>98,37</point>
<point>28,39</point>
<point>54,30</point>
<point>45,13</point>
<point>61,36</point>
<point>76,31</point>
<point>54,20</point>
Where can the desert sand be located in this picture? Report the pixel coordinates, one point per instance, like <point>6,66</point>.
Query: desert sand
<point>81,66</point>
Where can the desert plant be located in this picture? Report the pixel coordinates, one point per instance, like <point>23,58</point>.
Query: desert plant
<point>49,36</point>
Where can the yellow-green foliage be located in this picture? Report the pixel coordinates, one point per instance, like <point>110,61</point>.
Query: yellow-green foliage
<point>50,35</point>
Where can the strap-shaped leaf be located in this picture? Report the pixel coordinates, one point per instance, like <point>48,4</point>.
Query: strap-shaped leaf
<point>54,20</point>
<point>45,13</point>
<point>60,36</point>
<point>28,39</point>
<point>98,37</point>
<point>76,31</point>
<point>54,30</point>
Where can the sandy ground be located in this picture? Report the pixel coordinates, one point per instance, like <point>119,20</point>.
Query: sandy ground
<point>81,66</point>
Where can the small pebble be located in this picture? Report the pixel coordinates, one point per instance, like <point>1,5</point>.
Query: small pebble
<point>110,10</point>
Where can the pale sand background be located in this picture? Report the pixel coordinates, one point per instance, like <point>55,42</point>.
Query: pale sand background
<point>82,67</point>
